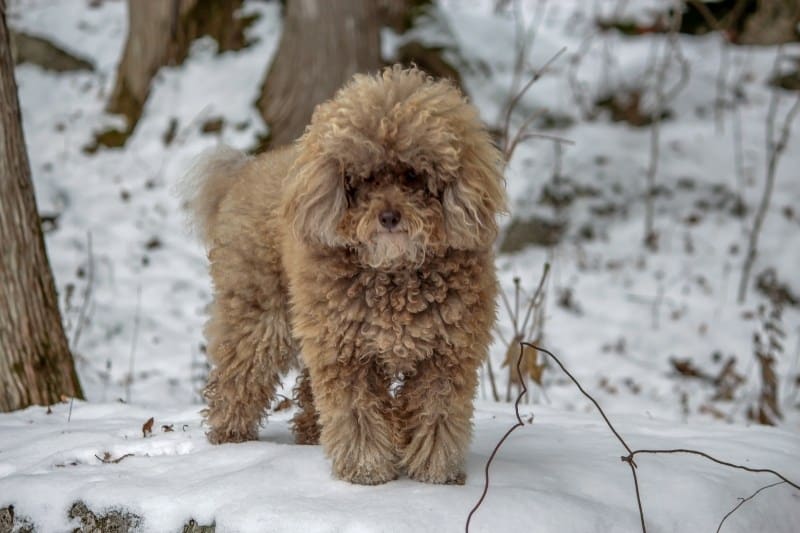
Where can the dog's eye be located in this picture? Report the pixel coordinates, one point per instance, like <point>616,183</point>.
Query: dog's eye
<point>410,177</point>
<point>370,178</point>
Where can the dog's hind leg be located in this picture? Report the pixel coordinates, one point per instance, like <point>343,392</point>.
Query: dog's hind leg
<point>305,423</point>
<point>249,342</point>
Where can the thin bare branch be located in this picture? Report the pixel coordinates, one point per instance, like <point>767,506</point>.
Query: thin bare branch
<point>774,151</point>
<point>745,500</point>
<point>507,305</point>
<point>87,293</point>
<point>106,459</point>
<point>671,47</point>
<point>497,331</point>
<point>536,298</point>
<point>134,339</point>
<point>519,424</point>
<point>721,86</point>
<point>578,93</point>
<point>707,15</point>
<point>537,74</point>
<point>492,382</point>
<point>630,458</point>
<point>524,136</point>
<point>718,461</point>
<point>524,39</point>
<point>586,394</point>
<point>509,151</point>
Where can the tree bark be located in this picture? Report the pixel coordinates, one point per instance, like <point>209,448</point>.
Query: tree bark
<point>159,34</point>
<point>774,22</point>
<point>36,366</point>
<point>324,42</point>
<point>756,22</point>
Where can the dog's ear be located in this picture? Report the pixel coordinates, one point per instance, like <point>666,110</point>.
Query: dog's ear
<point>476,195</point>
<point>314,199</point>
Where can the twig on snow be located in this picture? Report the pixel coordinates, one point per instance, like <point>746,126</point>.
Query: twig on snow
<point>106,459</point>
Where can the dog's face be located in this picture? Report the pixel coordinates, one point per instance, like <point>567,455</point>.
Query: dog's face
<point>395,167</point>
<point>394,215</point>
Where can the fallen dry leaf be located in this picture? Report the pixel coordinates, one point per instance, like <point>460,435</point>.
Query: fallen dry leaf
<point>147,427</point>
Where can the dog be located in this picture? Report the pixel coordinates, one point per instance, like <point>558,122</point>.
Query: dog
<point>360,255</point>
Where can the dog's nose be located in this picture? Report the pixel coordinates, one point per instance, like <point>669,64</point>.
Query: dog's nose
<point>389,218</point>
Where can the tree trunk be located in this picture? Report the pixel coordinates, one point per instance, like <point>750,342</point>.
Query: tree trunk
<point>756,22</point>
<point>159,34</point>
<point>399,15</point>
<point>36,366</point>
<point>774,22</point>
<point>324,42</point>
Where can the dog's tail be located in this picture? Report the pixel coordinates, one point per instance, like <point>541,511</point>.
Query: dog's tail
<point>205,185</point>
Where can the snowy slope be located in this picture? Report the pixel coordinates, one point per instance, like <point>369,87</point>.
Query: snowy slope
<point>134,301</point>
<point>560,473</point>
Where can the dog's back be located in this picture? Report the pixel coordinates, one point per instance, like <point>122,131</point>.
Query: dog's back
<point>225,185</point>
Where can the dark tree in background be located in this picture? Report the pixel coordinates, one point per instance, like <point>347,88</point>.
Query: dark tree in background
<point>774,22</point>
<point>160,33</point>
<point>36,366</point>
<point>324,42</point>
<point>759,22</point>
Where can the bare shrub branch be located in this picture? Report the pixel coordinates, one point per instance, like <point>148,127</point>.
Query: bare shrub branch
<point>134,339</point>
<point>630,458</point>
<point>522,133</point>
<point>87,293</point>
<point>519,424</point>
<point>774,152</point>
<point>662,96</point>
<point>582,100</point>
<point>745,500</point>
<point>523,42</point>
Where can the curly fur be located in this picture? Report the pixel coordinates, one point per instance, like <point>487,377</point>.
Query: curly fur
<point>390,322</point>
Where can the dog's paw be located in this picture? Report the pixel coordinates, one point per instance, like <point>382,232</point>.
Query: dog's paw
<point>455,476</point>
<point>366,473</point>
<point>431,459</point>
<point>226,435</point>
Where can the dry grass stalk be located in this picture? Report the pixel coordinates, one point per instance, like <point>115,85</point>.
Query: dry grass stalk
<point>768,345</point>
<point>662,95</point>
<point>529,325</point>
<point>775,149</point>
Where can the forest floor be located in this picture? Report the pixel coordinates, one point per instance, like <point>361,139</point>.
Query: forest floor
<point>656,335</point>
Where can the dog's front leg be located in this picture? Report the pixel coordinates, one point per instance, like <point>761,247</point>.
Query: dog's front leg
<point>436,412</point>
<point>355,414</point>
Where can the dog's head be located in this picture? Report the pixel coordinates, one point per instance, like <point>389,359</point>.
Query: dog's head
<point>395,166</point>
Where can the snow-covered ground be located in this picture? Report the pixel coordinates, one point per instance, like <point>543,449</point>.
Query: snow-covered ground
<point>616,312</point>
<point>562,473</point>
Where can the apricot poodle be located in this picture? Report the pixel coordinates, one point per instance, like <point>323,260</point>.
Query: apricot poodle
<point>362,256</point>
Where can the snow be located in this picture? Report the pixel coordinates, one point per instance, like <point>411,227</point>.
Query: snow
<point>142,287</point>
<point>560,473</point>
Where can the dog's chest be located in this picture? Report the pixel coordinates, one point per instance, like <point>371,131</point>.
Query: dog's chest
<point>400,318</point>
